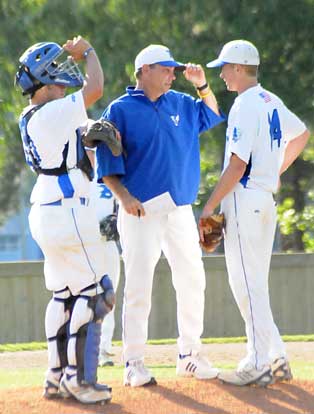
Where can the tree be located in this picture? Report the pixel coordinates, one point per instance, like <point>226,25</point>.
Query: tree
<point>194,31</point>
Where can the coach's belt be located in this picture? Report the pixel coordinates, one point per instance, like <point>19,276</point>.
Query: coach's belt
<point>69,202</point>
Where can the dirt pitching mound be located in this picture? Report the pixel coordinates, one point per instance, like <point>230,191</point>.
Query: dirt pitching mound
<point>180,396</point>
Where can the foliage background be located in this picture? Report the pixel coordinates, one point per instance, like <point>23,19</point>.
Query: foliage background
<point>195,31</point>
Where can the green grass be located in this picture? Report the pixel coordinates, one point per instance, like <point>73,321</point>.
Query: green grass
<point>28,377</point>
<point>33,377</point>
<point>37,346</point>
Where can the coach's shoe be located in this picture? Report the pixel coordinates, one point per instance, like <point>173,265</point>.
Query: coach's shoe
<point>195,365</point>
<point>85,393</point>
<point>281,370</point>
<point>136,375</point>
<point>248,375</point>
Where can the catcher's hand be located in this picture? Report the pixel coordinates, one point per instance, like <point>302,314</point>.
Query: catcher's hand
<point>102,131</point>
<point>211,228</point>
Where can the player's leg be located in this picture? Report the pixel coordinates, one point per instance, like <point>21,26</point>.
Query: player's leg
<point>80,377</point>
<point>112,259</point>
<point>181,247</point>
<point>248,245</point>
<point>140,242</point>
<point>58,314</point>
<point>276,348</point>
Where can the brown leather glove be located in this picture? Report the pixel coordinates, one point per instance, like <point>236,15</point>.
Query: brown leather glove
<point>105,131</point>
<point>212,228</point>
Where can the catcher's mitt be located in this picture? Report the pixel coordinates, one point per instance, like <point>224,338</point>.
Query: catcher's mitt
<point>108,227</point>
<point>212,228</point>
<point>102,131</point>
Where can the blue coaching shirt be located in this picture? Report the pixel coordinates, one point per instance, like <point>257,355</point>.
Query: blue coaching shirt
<point>161,145</point>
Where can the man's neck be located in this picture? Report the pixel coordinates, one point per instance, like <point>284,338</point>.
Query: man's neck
<point>151,93</point>
<point>38,100</point>
<point>247,84</point>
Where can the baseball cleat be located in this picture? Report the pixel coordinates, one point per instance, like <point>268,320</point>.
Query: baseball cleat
<point>85,393</point>
<point>52,385</point>
<point>105,360</point>
<point>248,376</point>
<point>51,390</point>
<point>281,370</point>
<point>195,365</point>
<point>136,375</point>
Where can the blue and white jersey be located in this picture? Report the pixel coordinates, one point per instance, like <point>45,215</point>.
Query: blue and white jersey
<point>161,145</point>
<point>259,129</point>
<point>47,133</point>
<point>103,200</point>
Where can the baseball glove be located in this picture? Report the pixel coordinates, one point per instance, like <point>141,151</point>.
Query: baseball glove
<point>108,227</point>
<point>212,228</point>
<point>102,131</point>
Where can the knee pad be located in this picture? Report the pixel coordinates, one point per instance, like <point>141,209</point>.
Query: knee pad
<point>58,315</point>
<point>108,292</point>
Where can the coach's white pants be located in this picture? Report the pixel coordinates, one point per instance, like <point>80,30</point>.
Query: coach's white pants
<point>251,223</point>
<point>142,240</point>
<point>112,269</point>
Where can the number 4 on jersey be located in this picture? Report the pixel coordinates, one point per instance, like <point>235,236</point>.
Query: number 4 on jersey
<point>274,128</point>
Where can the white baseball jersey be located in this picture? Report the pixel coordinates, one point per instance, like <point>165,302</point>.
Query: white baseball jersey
<point>68,234</point>
<point>259,128</point>
<point>103,200</point>
<point>50,129</point>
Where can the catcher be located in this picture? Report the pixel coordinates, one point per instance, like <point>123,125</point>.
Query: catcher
<point>211,231</point>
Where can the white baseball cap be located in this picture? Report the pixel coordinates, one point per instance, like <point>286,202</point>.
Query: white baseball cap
<point>237,51</point>
<point>156,54</point>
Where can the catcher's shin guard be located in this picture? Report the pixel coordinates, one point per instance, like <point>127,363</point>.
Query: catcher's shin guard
<point>58,314</point>
<point>88,314</point>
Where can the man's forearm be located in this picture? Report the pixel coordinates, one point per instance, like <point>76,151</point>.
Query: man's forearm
<point>231,176</point>
<point>293,150</point>
<point>115,185</point>
<point>209,99</point>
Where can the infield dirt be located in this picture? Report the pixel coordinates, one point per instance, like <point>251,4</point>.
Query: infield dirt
<point>175,396</point>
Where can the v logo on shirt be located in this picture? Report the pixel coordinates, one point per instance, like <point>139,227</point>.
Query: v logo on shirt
<point>175,119</point>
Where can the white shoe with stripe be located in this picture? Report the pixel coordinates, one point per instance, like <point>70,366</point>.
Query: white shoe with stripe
<point>136,375</point>
<point>195,365</point>
<point>248,375</point>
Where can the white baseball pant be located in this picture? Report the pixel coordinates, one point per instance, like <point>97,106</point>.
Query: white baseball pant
<point>142,240</point>
<point>250,229</point>
<point>70,240</point>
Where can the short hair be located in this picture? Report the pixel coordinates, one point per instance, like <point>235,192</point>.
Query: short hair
<point>138,73</point>
<point>251,70</point>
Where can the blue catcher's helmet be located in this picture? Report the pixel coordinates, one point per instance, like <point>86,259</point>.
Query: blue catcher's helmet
<point>41,64</point>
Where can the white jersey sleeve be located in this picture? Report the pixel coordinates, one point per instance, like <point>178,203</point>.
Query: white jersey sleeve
<point>291,124</point>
